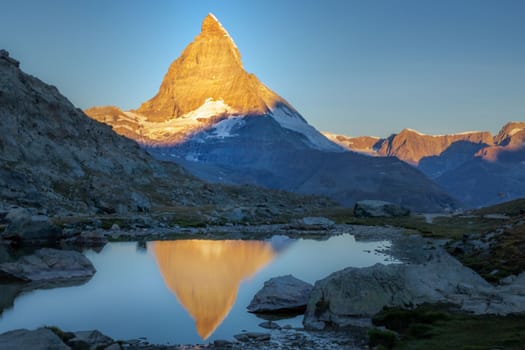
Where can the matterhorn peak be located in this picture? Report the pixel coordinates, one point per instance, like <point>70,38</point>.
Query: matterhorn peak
<point>209,68</point>
<point>211,25</point>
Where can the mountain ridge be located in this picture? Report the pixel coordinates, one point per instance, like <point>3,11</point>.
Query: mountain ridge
<point>54,157</point>
<point>480,168</point>
<point>197,120</point>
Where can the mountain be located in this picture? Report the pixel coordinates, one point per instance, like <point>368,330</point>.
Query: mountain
<point>224,125</point>
<point>409,145</point>
<point>478,168</point>
<point>54,157</point>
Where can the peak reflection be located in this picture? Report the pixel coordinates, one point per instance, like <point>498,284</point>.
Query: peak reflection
<point>205,275</point>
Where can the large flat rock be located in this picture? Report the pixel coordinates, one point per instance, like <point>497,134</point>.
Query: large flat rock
<point>49,265</point>
<point>347,296</point>
<point>283,293</point>
<point>39,339</point>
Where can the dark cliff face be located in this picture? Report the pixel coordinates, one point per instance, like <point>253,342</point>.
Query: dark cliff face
<point>53,155</point>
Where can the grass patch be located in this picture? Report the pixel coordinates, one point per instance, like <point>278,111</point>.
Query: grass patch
<point>505,255</point>
<point>442,327</point>
<point>453,227</point>
<point>378,338</point>
<point>512,208</point>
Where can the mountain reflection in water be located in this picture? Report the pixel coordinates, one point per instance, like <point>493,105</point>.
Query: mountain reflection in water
<point>205,275</point>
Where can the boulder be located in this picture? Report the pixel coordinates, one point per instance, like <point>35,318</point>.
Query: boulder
<point>39,339</point>
<point>316,221</point>
<point>91,340</point>
<point>347,296</point>
<point>49,265</point>
<point>4,55</point>
<point>376,208</point>
<point>284,293</point>
<point>30,228</point>
<point>252,337</point>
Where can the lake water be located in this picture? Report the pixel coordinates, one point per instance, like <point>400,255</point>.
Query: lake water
<point>184,291</point>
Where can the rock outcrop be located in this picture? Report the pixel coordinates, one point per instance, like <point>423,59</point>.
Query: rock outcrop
<point>279,294</point>
<point>90,340</point>
<point>39,339</point>
<point>347,296</point>
<point>24,226</point>
<point>49,265</point>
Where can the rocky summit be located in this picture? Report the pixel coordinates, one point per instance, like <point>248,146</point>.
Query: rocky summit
<point>223,125</point>
<point>480,169</point>
<point>55,158</point>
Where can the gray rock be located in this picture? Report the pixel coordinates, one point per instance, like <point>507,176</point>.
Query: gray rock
<point>141,202</point>
<point>252,336</point>
<point>39,339</point>
<point>4,55</point>
<point>91,340</point>
<point>49,265</point>
<point>115,346</point>
<point>220,343</point>
<point>30,228</point>
<point>352,294</point>
<point>316,221</point>
<point>376,208</point>
<point>281,294</point>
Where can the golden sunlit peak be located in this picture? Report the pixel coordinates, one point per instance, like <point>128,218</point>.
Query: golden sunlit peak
<point>211,24</point>
<point>205,275</point>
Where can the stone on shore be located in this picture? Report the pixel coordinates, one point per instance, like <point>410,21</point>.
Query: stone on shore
<point>39,339</point>
<point>284,293</point>
<point>347,296</point>
<point>28,228</point>
<point>377,208</point>
<point>316,221</point>
<point>91,340</point>
<point>252,336</point>
<point>49,265</point>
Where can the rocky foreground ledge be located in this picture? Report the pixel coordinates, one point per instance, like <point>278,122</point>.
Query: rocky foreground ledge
<point>285,339</point>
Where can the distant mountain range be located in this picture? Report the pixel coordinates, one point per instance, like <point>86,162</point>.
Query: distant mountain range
<point>223,125</point>
<point>478,168</point>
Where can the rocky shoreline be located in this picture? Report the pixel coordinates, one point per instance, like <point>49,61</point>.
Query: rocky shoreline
<point>336,302</point>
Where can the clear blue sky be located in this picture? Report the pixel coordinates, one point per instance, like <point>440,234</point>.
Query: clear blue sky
<point>369,67</point>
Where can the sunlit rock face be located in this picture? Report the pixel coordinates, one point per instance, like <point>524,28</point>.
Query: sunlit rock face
<point>409,145</point>
<point>210,67</point>
<point>205,275</point>
<point>205,85</point>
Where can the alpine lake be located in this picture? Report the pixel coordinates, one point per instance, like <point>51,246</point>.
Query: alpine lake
<point>184,291</point>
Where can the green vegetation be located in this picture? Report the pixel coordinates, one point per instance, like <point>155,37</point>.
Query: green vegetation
<point>442,327</point>
<point>451,227</point>
<point>504,236</point>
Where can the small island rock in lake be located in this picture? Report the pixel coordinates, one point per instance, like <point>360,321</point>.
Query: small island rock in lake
<point>283,293</point>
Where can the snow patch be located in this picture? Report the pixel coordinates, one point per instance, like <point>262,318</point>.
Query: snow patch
<point>515,131</point>
<point>442,135</point>
<point>293,121</point>
<point>225,127</point>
